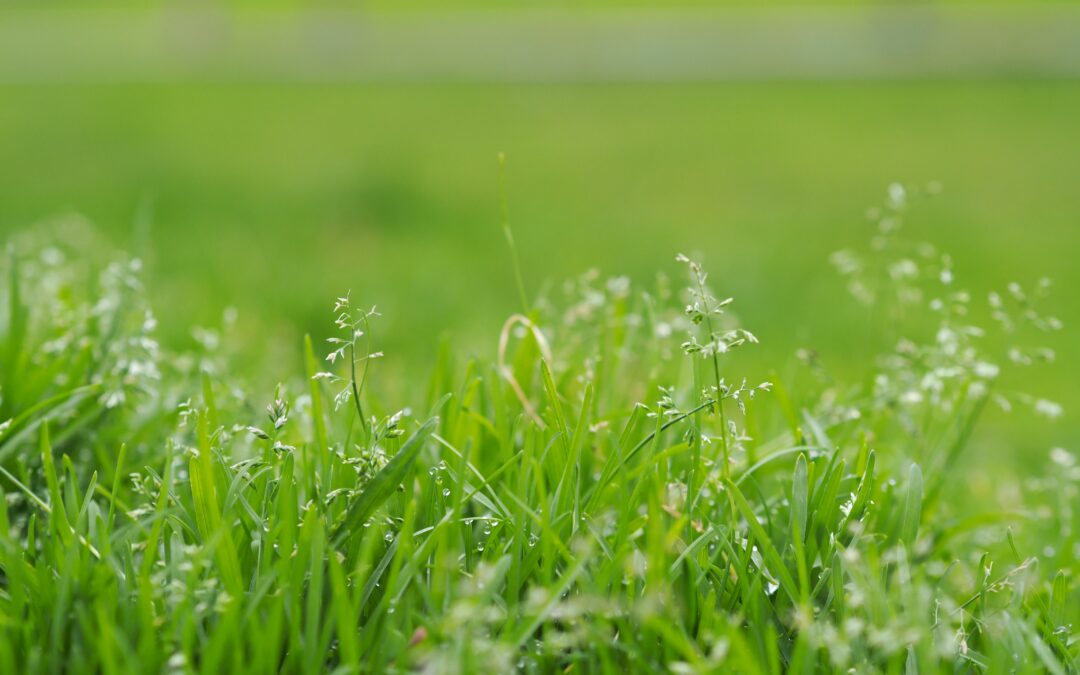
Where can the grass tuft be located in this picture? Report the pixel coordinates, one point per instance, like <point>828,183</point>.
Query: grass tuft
<point>609,493</point>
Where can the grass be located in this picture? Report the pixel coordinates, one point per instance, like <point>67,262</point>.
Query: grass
<point>617,487</point>
<point>269,198</point>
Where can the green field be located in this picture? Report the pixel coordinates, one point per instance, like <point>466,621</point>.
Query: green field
<point>558,528</point>
<point>272,198</point>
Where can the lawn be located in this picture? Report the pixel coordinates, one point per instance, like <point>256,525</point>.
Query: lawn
<point>270,199</point>
<point>169,509</point>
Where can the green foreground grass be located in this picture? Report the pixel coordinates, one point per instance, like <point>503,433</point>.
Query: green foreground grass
<point>613,489</point>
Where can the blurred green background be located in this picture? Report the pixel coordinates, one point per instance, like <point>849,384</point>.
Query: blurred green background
<point>273,196</point>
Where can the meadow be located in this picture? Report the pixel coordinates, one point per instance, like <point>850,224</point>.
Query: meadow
<point>217,456</point>
<point>270,198</point>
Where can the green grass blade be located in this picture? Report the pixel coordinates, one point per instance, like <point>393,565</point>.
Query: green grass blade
<point>384,484</point>
<point>773,558</point>
<point>912,513</point>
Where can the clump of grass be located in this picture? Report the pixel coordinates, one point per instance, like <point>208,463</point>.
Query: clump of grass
<point>609,494</point>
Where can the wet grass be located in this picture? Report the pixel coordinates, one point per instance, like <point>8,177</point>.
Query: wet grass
<point>614,488</point>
